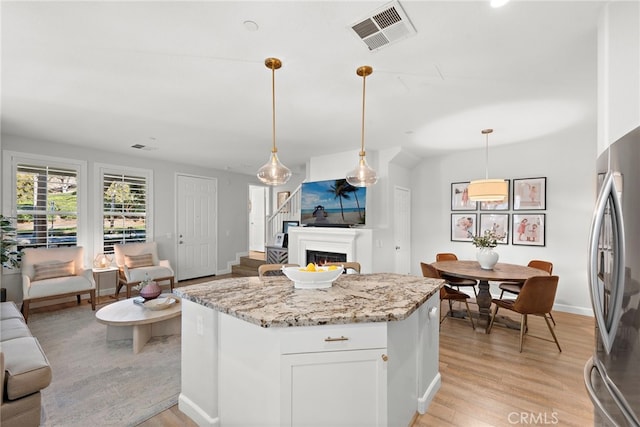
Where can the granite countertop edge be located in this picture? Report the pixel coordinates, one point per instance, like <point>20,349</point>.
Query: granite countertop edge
<point>219,298</point>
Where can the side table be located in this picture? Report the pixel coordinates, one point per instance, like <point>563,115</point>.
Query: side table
<point>106,276</point>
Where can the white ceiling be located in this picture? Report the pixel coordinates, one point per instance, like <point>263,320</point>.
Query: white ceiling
<point>188,79</point>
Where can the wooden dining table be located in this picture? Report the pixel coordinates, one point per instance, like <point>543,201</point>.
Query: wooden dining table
<point>501,272</point>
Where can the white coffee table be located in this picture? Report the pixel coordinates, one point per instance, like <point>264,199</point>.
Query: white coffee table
<point>127,320</point>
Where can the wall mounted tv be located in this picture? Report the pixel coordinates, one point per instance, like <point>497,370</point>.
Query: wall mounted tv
<point>332,203</point>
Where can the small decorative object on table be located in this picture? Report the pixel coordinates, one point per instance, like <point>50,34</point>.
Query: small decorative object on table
<point>486,256</point>
<point>148,288</point>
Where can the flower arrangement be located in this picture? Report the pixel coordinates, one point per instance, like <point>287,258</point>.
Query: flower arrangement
<point>147,280</point>
<point>489,239</point>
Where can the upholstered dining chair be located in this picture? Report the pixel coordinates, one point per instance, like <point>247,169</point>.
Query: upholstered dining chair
<point>351,265</point>
<point>452,280</point>
<point>136,261</point>
<point>447,293</point>
<point>515,287</point>
<point>536,297</point>
<point>273,269</point>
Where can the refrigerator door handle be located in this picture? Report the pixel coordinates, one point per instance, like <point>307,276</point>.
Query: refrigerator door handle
<point>588,367</point>
<point>615,394</point>
<point>607,326</point>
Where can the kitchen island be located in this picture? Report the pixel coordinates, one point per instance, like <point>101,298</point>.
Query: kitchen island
<point>258,352</point>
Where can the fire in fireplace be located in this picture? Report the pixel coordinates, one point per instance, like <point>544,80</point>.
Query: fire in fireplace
<point>320,257</point>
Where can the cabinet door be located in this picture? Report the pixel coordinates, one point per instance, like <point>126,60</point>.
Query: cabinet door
<point>342,388</point>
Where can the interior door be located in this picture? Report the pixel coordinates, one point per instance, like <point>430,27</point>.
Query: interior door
<point>257,216</point>
<point>402,229</point>
<point>197,227</point>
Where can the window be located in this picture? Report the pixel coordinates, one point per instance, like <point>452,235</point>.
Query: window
<point>125,207</point>
<point>46,201</point>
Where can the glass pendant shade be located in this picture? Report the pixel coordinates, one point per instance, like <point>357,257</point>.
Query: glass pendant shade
<point>274,172</point>
<point>488,190</point>
<point>363,175</point>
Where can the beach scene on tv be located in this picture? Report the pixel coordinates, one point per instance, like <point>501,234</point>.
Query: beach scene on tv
<point>332,202</point>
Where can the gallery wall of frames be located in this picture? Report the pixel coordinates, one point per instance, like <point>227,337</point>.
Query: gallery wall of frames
<point>517,220</point>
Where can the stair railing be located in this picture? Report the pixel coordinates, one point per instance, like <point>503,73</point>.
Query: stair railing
<point>290,210</point>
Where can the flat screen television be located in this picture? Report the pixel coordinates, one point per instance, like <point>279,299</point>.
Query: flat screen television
<point>332,203</point>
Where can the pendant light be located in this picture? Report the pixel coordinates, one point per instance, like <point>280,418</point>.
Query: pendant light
<point>273,172</point>
<point>488,190</point>
<point>362,175</point>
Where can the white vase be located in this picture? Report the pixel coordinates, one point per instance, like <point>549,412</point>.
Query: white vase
<point>487,258</point>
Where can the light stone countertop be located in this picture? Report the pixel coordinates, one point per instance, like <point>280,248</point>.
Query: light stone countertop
<point>353,298</point>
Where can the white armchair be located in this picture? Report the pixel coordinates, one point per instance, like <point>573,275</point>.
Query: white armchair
<point>50,273</point>
<point>137,260</point>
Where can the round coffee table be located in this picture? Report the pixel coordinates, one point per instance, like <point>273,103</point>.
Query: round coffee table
<point>128,320</point>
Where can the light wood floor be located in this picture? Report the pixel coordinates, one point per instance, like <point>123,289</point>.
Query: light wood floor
<point>487,382</point>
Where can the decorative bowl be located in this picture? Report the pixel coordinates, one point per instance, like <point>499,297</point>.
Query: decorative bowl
<point>304,279</point>
<point>161,303</point>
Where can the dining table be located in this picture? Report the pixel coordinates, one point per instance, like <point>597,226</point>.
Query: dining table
<point>501,272</point>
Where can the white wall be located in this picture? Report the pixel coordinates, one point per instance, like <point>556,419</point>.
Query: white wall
<point>567,161</point>
<point>232,200</point>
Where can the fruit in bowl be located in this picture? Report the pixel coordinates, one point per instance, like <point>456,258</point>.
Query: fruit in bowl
<point>313,276</point>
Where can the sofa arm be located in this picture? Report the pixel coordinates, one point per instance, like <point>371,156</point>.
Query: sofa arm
<point>26,285</point>
<point>88,274</point>
<point>165,263</point>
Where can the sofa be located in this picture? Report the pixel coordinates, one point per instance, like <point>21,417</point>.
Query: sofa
<point>52,273</point>
<point>24,368</point>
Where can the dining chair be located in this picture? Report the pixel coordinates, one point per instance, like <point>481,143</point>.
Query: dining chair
<point>536,297</point>
<point>452,280</point>
<point>273,269</point>
<point>447,293</point>
<point>515,287</point>
<point>351,265</point>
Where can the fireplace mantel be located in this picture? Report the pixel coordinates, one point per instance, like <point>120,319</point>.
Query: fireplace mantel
<point>356,243</point>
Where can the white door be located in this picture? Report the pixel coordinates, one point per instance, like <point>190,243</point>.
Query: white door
<point>257,212</point>
<point>197,202</point>
<point>402,229</point>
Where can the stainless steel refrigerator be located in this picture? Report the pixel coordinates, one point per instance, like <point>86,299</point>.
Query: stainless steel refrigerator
<point>612,375</point>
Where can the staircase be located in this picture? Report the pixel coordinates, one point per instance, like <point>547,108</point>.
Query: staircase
<point>248,266</point>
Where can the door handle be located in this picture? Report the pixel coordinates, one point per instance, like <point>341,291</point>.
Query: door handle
<point>397,248</point>
<point>607,326</point>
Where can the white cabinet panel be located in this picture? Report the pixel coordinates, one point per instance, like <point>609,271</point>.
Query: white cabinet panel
<point>345,388</point>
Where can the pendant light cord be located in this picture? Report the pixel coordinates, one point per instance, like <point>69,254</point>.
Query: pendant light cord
<point>486,159</point>
<point>364,84</point>
<point>273,107</point>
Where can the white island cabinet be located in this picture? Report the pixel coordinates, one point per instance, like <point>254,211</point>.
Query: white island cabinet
<point>257,352</point>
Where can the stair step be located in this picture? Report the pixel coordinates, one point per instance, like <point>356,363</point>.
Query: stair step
<point>242,270</point>
<point>251,262</point>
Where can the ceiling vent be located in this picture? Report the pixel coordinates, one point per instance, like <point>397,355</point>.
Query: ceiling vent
<point>384,26</point>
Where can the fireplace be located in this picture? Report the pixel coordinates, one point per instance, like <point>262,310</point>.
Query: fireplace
<point>352,244</point>
<point>322,257</point>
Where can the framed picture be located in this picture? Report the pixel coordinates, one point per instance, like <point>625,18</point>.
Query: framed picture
<point>463,227</point>
<point>528,229</point>
<point>287,224</point>
<point>279,240</point>
<point>460,197</point>
<point>497,206</point>
<point>282,197</point>
<point>499,223</point>
<point>529,194</point>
